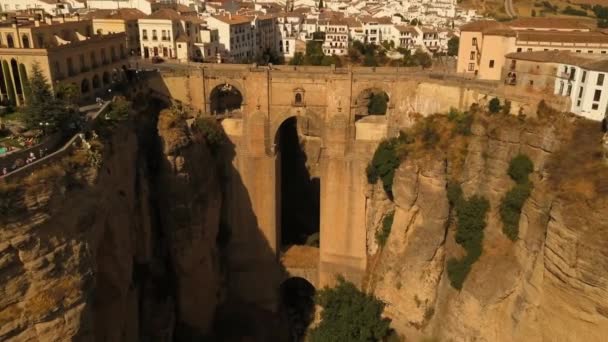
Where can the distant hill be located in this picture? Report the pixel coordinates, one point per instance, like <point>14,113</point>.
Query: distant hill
<point>535,8</point>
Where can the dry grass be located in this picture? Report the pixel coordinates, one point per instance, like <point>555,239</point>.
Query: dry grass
<point>174,131</point>
<point>577,168</point>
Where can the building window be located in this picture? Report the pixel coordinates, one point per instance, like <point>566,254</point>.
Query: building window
<point>597,95</point>
<point>474,41</point>
<point>578,103</point>
<point>471,66</point>
<point>600,79</point>
<point>491,63</point>
<point>144,34</point>
<point>9,41</point>
<point>531,83</point>
<point>518,49</point>
<point>154,36</point>
<point>529,49</point>
<point>590,51</point>
<point>584,76</point>
<point>595,106</point>
<point>26,42</point>
<point>580,92</point>
<point>472,55</point>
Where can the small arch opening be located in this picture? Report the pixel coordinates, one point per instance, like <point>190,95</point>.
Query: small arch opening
<point>371,102</point>
<point>9,41</point>
<point>96,82</point>
<point>225,99</point>
<point>26,41</point>
<point>298,98</point>
<point>106,78</point>
<point>298,304</point>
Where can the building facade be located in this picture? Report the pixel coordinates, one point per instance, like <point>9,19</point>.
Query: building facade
<point>65,51</point>
<point>484,44</point>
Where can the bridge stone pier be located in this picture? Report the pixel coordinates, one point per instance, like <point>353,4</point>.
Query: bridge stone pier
<point>338,140</point>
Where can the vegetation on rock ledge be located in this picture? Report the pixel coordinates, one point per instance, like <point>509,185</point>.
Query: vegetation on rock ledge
<point>471,215</point>
<point>349,315</point>
<point>510,207</point>
<point>383,233</point>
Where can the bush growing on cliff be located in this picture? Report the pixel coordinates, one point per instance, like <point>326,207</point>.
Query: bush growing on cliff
<point>520,168</point>
<point>349,315</point>
<point>471,221</point>
<point>462,120</point>
<point>383,165</point>
<point>213,133</point>
<point>494,105</point>
<point>385,230</point>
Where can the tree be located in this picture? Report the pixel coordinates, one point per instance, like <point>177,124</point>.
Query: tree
<point>67,92</point>
<point>43,109</point>
<point>377,103</point>
<point>494,105</point>
<point>370,60</point>
<point>415,22</point>
<point>453,44</point>
<point>423,59</point>
<point>349,315</point>
<point>298,59</point>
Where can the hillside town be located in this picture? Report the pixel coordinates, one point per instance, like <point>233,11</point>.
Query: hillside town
<point>92,44</point>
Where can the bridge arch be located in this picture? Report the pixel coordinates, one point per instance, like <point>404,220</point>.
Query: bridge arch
<point>297,302</point>
<point>225,98</point>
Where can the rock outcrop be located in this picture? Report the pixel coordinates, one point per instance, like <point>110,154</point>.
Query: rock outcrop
<point>93,251</point>
<point>552,283</point>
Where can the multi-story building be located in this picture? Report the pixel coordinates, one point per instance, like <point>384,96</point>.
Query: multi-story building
<point>143,5</point>
<point>404,36</point>
<point>336,38</point>
<point>67,51</point>
<point>582,78</point>
<point>48,6</point>
<point>121,20</point>
<point>207,46</point>
<point>484,44</point>
<point>168,34</point>
<point>236,34</point>
<point>289,30</point>
<point>265,31</point>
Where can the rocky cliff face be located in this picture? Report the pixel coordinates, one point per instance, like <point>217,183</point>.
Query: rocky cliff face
<point>551,283</point>
<point>92,251</point>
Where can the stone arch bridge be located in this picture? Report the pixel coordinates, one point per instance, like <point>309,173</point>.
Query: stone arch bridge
<point>339,142</point>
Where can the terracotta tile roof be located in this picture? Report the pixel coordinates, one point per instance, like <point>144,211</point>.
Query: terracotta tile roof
<point>165,13</point>
<point>407,28</point>
<point>122,13</point>
<point>600,65</point>
<point>565,37</point>
<point>234,19</point>
<point>585,61</point>
<point>482,25</point>
<point>552,23</point>
<point>564,57</point>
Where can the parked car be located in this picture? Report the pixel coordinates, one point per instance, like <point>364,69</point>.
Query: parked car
<point>157,59</point>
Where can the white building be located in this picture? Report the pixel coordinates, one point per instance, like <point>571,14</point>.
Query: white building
<point>168,34</point>
<point>336,38</point>
<point>587,84</point>
<point>236,35</point>
<point>289,29</point>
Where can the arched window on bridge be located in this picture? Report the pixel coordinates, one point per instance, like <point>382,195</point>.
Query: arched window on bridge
<point>225,99</point>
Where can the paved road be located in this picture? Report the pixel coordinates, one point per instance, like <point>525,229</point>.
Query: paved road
<point>509,8</point>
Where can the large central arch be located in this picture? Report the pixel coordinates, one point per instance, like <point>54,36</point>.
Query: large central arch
<point>298,209</point>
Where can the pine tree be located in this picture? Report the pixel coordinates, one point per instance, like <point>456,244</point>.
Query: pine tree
<point>43,110</point>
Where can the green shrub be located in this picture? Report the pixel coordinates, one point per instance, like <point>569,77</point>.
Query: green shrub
<point>377,104</point>
<point>494,105</point>
<point>471,221</point>
<point>213,132</point>
<point>384,163</point>
<point>520,168</point>
<point>349,315</point>
<point>385,230</point>
<point>429,134</point>
<point>463,121</point>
